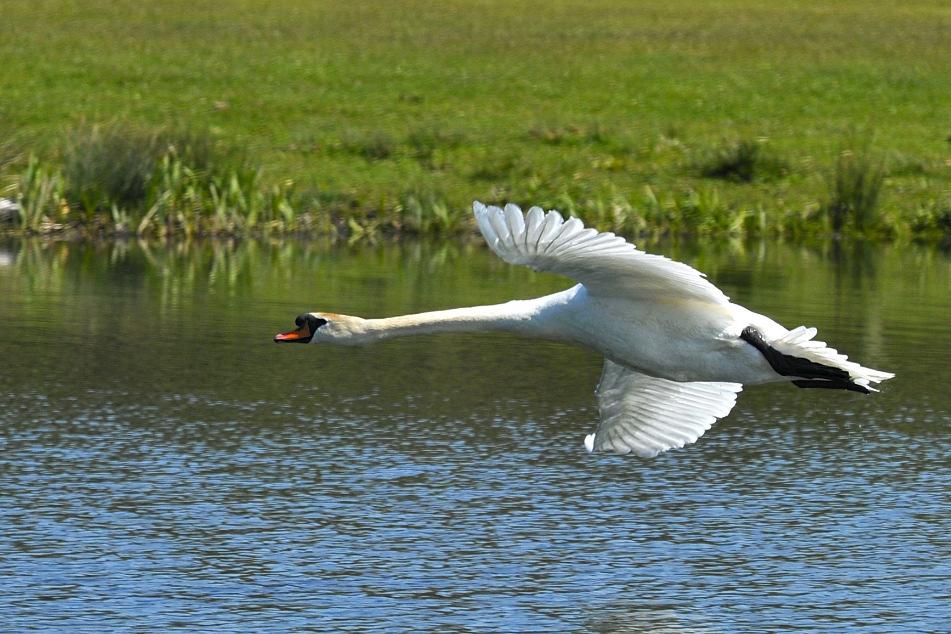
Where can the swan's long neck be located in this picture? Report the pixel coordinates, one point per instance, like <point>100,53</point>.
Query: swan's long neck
<point>511,316</point>
<point>527,317</point>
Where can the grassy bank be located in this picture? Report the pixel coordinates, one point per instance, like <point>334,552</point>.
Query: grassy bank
<point>374,117</point>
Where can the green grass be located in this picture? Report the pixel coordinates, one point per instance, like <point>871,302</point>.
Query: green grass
<point>375,109</point>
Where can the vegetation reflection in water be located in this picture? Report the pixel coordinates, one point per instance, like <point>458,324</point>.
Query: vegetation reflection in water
<point>165,463</point>
<point>237,294</point>
<point>419,274</point>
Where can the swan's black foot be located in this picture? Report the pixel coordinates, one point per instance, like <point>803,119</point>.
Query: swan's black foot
<point>832,385</point>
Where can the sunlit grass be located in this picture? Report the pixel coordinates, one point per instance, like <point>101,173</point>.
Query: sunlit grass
<point>387,116</point>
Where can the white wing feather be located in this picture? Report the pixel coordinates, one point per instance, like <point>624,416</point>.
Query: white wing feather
<point>605,263</point>
<point>645,415</point>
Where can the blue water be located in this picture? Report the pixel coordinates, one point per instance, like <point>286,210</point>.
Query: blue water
<point>163,465</point>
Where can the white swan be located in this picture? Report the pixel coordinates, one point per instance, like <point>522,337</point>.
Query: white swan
<point>676,351</point>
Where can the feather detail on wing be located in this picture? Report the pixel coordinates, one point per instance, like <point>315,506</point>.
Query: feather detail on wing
<point>645,415</point>
<point>800,342</point>
<point>605,263</point>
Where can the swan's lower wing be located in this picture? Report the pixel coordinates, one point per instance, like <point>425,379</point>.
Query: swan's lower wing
<point>605,263</point>
<point>645,415</point>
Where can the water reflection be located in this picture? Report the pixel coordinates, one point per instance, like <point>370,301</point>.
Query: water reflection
<point>164,464</point>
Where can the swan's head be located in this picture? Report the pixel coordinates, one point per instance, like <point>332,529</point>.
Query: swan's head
<point>324,328</point>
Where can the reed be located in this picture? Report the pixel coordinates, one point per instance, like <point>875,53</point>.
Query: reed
<point>854,190</point>
<point>39,191</point>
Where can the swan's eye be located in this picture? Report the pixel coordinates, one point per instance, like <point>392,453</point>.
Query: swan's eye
<point>301,319</point>
<point>316,322</point>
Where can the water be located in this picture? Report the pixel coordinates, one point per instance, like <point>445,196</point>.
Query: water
<point>164,465</point>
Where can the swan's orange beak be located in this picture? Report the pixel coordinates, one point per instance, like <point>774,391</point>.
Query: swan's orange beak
<point>301,335</point>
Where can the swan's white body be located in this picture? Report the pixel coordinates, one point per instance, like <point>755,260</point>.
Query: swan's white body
<point>674,356</point>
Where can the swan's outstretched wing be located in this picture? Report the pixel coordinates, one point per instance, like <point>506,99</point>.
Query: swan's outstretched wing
<point>605,263</point>
<point>646,416</point>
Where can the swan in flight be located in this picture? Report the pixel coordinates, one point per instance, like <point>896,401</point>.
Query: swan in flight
<point>676,350</point>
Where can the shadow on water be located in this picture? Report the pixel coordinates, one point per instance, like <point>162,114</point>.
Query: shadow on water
<point>164,464</point>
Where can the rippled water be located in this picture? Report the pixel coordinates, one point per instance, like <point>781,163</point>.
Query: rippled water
<point>163,464</point>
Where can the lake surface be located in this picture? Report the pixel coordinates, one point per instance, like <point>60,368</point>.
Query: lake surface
<point>164,465</point>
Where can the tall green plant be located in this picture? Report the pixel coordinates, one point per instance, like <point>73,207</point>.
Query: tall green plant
<point>39,192</point>
<point>114,165</point>
<point>109,166</point>
<point>854,188</point>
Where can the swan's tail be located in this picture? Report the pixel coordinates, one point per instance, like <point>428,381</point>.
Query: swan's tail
<point>813,363</point>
